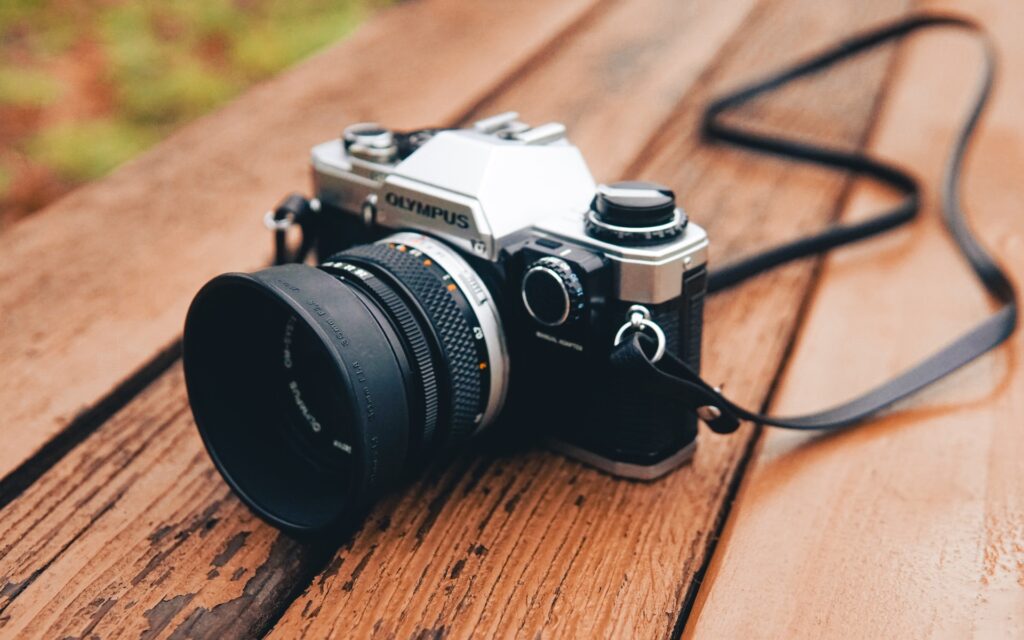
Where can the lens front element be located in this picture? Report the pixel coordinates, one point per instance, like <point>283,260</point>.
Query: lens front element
<point>316,389</point>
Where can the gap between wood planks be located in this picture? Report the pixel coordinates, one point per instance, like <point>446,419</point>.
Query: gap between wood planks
<point>597,134</point>
<point>21,477</point>
<point>558,22</point>
<point>329,601</point>
<point>89,419</point>
<point>126,420</point>
<point>919,512</point>
<point>842,203</point>
<point>115,262</point>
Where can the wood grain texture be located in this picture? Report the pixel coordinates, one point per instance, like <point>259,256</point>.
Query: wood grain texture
<point>96,286</point>
<point>530,544</point>
<point>912,525</point>
<point>107,541</point>
<point>55,570</point>
<point>493,542</point>
<point>134,534</point>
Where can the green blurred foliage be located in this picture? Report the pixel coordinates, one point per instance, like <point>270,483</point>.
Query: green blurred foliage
<point>259,50</point>
<point>5,180</point>
<point>27,87</point>
<point>89,149</point>
<point>164,63</point>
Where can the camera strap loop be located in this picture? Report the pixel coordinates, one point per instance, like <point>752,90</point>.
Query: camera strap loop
<point>670,377</point>
<point>638,319</point>
<point>294,210</point>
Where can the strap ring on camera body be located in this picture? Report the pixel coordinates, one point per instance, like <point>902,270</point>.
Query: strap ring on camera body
<point>639,319</point>
<point>675,378</point>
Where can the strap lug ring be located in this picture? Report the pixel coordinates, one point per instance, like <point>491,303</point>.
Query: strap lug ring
<point>640,324</point>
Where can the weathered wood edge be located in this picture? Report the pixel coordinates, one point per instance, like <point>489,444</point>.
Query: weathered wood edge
<point>333,602</point>
<point>929,494</point>
<point>206,618</point>
<point>750,452</point>
<point>94,288</point>
<point>179,391</point>
<point>32,238</point>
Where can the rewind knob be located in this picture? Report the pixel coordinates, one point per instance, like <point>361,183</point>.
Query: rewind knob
<point>634,213</point>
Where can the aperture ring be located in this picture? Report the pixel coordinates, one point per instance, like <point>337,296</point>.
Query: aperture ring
<point>466,356</point>
<point>409,327</point>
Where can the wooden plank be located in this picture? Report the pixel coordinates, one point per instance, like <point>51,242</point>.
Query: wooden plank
<point>530,544</point>
<point>159,260</point>
<point>54,563</point>
<point>95,288</point>
<point>912,525</point>
<point>108,565</point>
<point>60,590</point>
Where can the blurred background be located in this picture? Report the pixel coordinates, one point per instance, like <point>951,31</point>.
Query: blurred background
<point>87,84</point>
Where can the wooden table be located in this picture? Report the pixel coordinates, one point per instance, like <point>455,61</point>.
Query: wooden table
<point>114,522</point>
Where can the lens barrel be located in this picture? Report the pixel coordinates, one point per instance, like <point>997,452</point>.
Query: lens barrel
<point>316,389</point>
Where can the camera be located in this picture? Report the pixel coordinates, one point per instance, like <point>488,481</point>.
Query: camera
<point>467,278</point>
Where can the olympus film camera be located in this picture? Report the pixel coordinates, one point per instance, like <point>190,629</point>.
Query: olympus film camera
<point>468,277</point>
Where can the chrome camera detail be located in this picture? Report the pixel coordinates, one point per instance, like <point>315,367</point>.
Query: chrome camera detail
<point>468,277</point>
<point>479,278</point>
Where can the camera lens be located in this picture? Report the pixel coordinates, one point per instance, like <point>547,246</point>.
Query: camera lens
<point>315,389</point>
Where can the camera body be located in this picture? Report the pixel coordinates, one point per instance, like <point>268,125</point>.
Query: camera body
<point>565,262</point>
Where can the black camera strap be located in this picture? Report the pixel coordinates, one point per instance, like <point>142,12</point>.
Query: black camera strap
<point>671,378</point>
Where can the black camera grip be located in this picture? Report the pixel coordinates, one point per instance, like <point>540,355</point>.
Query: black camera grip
<point>647,430</point>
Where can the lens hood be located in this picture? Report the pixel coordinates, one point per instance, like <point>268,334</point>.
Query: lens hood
<point>352,400</point>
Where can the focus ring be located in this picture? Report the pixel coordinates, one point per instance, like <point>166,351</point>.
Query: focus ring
<point>399,311</point>
<point>453,329</point>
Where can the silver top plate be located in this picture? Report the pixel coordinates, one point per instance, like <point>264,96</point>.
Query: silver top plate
<point>479,188</point>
